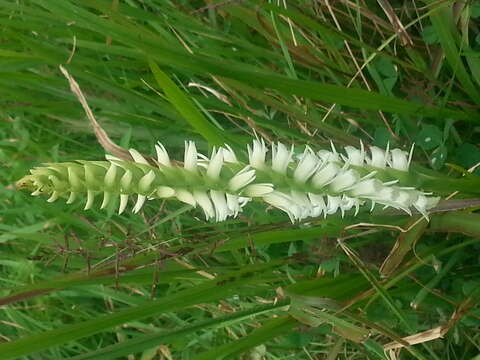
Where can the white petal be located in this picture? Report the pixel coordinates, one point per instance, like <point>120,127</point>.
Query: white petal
<point>90,197</point>
<point>233,203</point>
<point>229,155</point>
<point>366,187</point>
<point>281,157</point>
<point>215,164</point>
<point>126,181</point>
<point>344,180</point>
<point>424,203</point>
<point>328,156</point>
<point>57,184</point>
<point>241,179</point>
<point>220,204</point>
<point>74,179</point>
<point>300,198</point>
<point>348,203</point>
<point>165,192</point>
<point>257,153</point>
<point>354,156</point>
<point>185,196</point>
<point>90,178</point>
<point>112,158</point>
<point>242,201</point>
<point>399,159</point>
<point>53,197</point>
<point>318,203</point>
<point>333,203</point>
<point>123,203</point>
<point>106,199</point>
<point>204,201</point>
<point>324,175</point>
<point>138,205</point>
<point>72,197</point>
<point>378,157</point>
<point>191,156</point>
<point>406,198</point>
<point>110,176</point>
<point>257,190</point>
<point>146,181</point>
<point>306,166</point>
<point>137,157</point>
<point>421,205</point>
<point>37,193</point>
<point>283,202</point>
<point>162,155</point>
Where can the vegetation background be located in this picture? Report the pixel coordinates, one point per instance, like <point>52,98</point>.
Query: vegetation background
<point>165,284</point>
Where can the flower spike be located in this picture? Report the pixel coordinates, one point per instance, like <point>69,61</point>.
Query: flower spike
<point>310,184</point>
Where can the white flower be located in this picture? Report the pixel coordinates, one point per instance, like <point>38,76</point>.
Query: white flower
<point>399,159</point>
<point>126,181</point>
<point>423,203</point>
<point>385,196</point>
<point>325,174</point>
<point>110,176</point>
<point>283,202</point>
<point>328,156</point>
<point>204,201</point>
<point>355,156</point>
<point>306,167</point>
<point>241,179</point>
<point>348,203</point>
<point>318,204</point>
<point>162,155</point>
<point>366,187</point>
<point>303,203</point>
<point>146,181</point>
<point>229,155</point>
<point>54,197</point>
<point>344,180</point>
<point>257,153</point>
<point>281,157</point>
<point>406,198</point>
<point>215,164</point>
<point>74,180</point>
<point>333,203</point>
<point>138,205</point>
<point>107,196</point>
<point>137,157</point>
<point>219,201</point>
<point>185,196</point>
<point>123,203</point>
<point>300,198</point>
<point>233,204</point>
<point>379,157</point>
<point>257,190</point>
<point>71,197</point>
<point>191,156</point>
<point>165,192</point>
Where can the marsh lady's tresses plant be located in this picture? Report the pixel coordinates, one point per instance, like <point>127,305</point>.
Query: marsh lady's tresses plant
<point>309,184</point>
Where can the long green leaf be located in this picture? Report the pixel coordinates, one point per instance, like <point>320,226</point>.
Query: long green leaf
<point>186,107</point>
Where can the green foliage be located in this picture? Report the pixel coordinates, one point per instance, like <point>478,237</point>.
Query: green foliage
<point>165,283</point>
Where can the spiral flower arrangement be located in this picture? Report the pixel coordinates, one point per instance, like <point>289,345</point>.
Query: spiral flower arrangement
<point>308,184</point>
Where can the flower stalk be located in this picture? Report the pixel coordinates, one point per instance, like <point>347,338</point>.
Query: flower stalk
<point>309,184</point>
